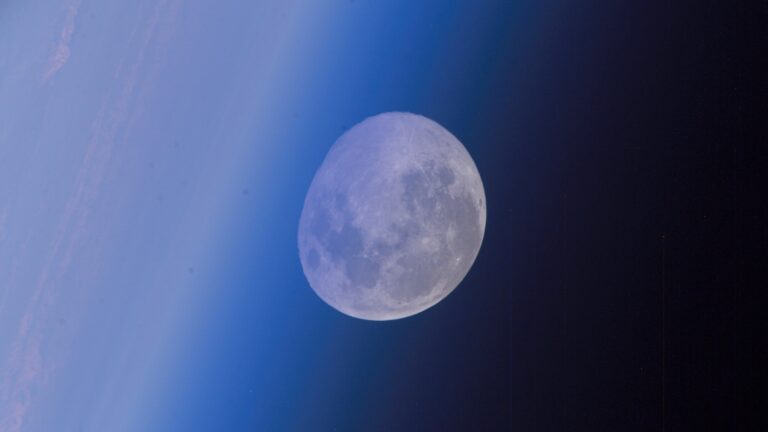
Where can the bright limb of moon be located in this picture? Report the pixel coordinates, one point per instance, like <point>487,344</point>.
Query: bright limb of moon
<point>394,218</point>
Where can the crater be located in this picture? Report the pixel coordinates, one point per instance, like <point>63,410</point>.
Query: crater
<point>319,224</point>
<point>419,275</point>
<point>362,271</point>
<point>416,192</point>
<point>401,233</point>
<point>313,259</point>
<point>340,202</point>
<point>345,243</point>
<point>446,175</point>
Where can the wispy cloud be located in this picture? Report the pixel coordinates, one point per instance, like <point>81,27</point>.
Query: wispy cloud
<point>61,53</point>
<point>25,369</point>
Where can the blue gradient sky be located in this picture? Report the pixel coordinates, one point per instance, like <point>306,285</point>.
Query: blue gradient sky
<point>154,161</point>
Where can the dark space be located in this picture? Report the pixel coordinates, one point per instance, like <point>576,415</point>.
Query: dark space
<point>621,260</point>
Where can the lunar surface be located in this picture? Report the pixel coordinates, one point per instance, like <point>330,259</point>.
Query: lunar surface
<point>393,219</point>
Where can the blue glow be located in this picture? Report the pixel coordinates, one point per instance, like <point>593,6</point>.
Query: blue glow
<point>154,157</point>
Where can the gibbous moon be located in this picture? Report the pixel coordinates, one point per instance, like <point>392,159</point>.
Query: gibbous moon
<point>393,219</point>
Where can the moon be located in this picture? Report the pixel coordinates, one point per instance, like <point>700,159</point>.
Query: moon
<point>394,218</point>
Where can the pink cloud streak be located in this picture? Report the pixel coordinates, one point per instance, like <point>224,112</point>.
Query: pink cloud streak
<point>61,53</point>
<point>25,369</point>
